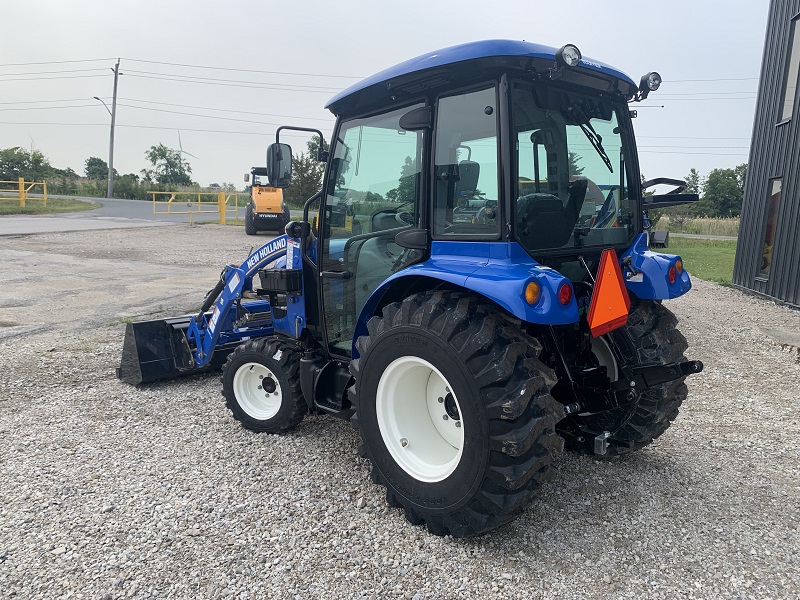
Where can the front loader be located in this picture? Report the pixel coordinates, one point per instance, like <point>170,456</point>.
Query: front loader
<point>497,303</point>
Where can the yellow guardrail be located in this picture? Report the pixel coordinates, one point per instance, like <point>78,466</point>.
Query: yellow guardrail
<point>22,189</point>
<point>192,203</point>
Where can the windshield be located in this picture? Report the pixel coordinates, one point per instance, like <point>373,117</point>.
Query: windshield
<point>572,189</point>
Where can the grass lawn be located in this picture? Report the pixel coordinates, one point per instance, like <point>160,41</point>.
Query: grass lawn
<point>711,260</point>
<point>35,206</point>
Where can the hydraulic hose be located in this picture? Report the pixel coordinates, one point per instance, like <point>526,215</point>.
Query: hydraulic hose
<point>212,295</point>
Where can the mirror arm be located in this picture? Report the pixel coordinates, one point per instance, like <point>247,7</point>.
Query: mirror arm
<point>322,154</point>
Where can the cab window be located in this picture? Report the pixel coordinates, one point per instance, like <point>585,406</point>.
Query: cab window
<point>466,166</point>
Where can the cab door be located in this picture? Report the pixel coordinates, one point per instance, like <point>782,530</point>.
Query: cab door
<point>373,193</point>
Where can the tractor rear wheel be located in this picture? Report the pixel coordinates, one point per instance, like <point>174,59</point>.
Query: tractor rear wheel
<point>455,412</point>
<point>250,221</point>
<point>650,337</point>
<point>261,385</point>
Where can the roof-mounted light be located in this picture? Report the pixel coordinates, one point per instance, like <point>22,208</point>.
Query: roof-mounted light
<point>650,82</point>
<point>568,56</point>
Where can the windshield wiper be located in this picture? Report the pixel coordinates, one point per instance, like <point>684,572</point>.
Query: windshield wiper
<point>597,142</point>
<point>580,118</point>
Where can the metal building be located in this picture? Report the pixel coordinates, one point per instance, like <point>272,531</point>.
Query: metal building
<point>768,252</point>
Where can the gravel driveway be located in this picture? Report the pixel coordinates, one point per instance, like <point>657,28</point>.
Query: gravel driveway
<point>108,491</point>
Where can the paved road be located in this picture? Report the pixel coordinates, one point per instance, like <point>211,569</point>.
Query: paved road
<point>112,214</point>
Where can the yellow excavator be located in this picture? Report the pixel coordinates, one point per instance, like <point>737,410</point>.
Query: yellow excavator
<point>266,210</point>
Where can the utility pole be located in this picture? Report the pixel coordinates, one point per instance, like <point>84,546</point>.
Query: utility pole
<point>111,140</point>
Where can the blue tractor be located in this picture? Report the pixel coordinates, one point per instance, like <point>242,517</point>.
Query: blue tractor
<point>491,301</point>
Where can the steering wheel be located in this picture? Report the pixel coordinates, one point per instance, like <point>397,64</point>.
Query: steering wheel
<point>404,218</point>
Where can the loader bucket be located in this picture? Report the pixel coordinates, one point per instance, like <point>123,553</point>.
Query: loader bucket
<point>154,350</point>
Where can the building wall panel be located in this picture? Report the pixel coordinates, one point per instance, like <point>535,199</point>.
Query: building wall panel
<point>774,152</point>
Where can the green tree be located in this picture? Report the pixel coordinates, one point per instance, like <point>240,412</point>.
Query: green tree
<point>313,146</point>
<point>722,193</point>
<point>168,166</point>
<point>17,162</point>
<point>97,168</point>
<point>128,186</point>
<point>693,182</point>
<point>404,192</point>
<point>573,159</point>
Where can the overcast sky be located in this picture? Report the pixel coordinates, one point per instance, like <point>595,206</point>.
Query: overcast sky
<point>707,51</point>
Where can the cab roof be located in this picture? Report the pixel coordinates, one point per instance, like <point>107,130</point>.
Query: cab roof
<point>472,51</point>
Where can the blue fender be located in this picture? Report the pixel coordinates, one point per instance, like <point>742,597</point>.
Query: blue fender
<point>498,271</point>
<point>648,279</point>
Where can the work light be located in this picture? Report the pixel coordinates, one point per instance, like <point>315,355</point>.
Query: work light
<point>568,55</point>
<point>650,82</point>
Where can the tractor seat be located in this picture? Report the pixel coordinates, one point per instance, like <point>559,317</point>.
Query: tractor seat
<point>541,222</point>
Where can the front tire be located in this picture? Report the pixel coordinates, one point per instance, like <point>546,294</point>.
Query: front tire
<point>250,221</point>
<point>455,412</point>
<point>261,386</point>
<point>649,337</point>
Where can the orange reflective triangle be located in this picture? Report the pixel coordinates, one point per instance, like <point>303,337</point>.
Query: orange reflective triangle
<point>610,301</point>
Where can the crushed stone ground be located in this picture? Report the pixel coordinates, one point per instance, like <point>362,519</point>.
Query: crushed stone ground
<point>109,491</point>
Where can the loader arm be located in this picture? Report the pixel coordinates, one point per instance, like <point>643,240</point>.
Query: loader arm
<point>168,348</point>
<point>203,334</point>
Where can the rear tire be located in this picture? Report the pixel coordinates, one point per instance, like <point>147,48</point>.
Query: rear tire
<point>458,480</point>
<point>261,386</point>
<point>650,337</point>
<point>250,221</point>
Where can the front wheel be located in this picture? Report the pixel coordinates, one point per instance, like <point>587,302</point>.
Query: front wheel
<point>455,412</point>
<point>250,221</point>
<point>649,337</point>
<point>261,385</point>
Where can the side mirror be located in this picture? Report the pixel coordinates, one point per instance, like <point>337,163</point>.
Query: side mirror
<point>279,165</point>
<point>298,229</point>
<point>247,177</point>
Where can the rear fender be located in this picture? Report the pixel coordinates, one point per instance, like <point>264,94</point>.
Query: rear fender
<point>648,277</point>
<point>498,271</point>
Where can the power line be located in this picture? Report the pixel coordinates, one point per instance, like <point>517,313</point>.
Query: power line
<point>49,101</point>
<point>177,112</point>
<point>701,147</point>
<point>160,128</point>
<point>214,79</point>
<point>694,153</point>
<point>48,78</point>
<point>227,110</point>
<point>49,107</point>
<point>706,93</point>
<point>753,97</point>
<point>258,87</point>
<point>685,137</point>
<point>711,80</point>
<point>54,62</point>
<point>51,72</point>
<point>154,62</point>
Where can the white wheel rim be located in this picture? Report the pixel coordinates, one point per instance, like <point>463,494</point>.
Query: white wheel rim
<point>605,357</point>
<point>257,391</point>
<point>412,420</point>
